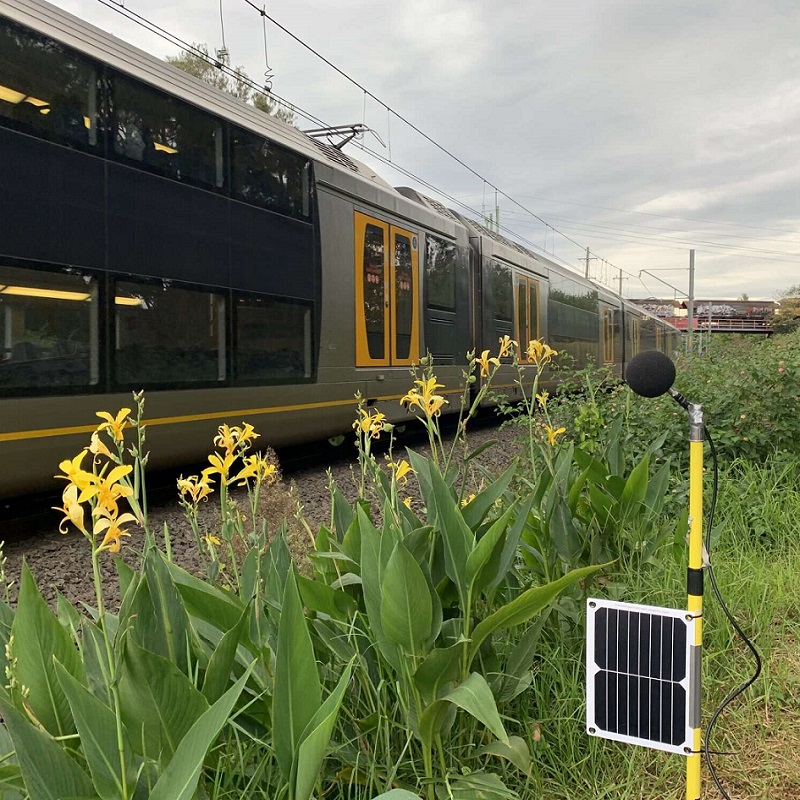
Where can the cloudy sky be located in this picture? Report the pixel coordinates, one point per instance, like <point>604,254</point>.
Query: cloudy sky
<point>637,129</point>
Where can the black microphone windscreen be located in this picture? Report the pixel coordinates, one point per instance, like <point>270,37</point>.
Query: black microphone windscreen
<point>650,374</point>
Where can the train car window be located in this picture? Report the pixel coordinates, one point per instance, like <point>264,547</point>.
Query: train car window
<point>637,336</point>
<point>165,135</point>
<point>48,324</point>
<point>527,311</point>
<point>267,175</point>
<point>440,273</point>
<point>272,340</point>
<point>371,295</point>
<point>502,292</point>
<point>404,293</point>
<point>166,335</point>
<point>46,89</point>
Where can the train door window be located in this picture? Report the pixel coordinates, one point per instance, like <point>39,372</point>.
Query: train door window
<point>527,311</point>
<point>165,335</point>
<point>46,89</point>
<point>637,336</point>
<point>48,324</point>
<point>165,135</point>
<point>659,339</point>
<point>272,340</point>
<point>387,313</point>
<point>608,335</point>
<point>404,297</point>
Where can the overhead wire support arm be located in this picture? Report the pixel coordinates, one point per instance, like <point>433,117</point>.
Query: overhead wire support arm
<point>348,132</point>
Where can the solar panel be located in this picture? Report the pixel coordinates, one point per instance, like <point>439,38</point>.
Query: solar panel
<point>643,682</point>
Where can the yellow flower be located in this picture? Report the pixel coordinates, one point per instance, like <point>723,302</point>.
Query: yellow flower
<point>370,423</point>
<point>245,435</point>
<point>485,361</point>
<point>506,346</point>
<point>212,540</point>
<point>407,502</point>
<point>225,439</point>
<point>113,531</point>
<point>467,500</point>
<point>74,473</point>
<point>551,434</point>
<point>72,510</point>
<point>220,466</point>
<point>256,466</point>
<point>401,470</point>
<point>235,438</point>
<point>542,397</point>
<point>114,425</point>
<point>424,398</point>
<point>106,491</point>
<point>97,448</point>
<point>195,488</point>
<point>540,353</point>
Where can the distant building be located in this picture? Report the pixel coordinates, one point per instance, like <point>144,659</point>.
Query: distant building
<point>752,313</point>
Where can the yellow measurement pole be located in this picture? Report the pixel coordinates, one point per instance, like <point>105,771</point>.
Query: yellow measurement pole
<point>695,593</point>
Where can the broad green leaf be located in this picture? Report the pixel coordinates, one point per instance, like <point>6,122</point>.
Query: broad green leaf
<point>279,563</point>
<point>516,751</point>
<point>97,728</point>
<point>297,694</point>
<point>69,617</point>
<point>179,779</point>
<point>635,489</point>
<point>95,661</point>
<point>472,695</point>
<point>564,534</point>
<point>657,489</point>
<point>397,794</point>
<point>315,741</point>
<point>343,514</point>
<point>520,661</point>
<point>38,639</point>
<point>206,601</point>
<point>248,576</point>
<point>523,607</point>
<point>440,667</point>
<point>489,546</point>
<point>481,786</point>
<point>406,605</point>
<point>323,599</point>
<point>510,546</point>
<point>220,665</point>
<point>159,703</point>
<point>475,511</point>
<point>48,770</point>
<point>125,573</point>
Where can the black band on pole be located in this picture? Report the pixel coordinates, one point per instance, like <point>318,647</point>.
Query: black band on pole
<point>694,581</point>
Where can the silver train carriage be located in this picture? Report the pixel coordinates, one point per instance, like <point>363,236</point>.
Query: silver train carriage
<point>158,234</point>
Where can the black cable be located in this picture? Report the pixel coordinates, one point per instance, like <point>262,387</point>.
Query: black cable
<point>752,679</point>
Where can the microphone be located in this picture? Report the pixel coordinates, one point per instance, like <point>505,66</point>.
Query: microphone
<point>651,374</point>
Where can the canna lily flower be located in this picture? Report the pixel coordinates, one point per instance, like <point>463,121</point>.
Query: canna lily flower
<point>424,398</point>
<point>485,361</point>
<point>256,466</point>
<point>401,470</point>
<point>540,353</point>
<point>370,423</point>
<point>407,502</point>
<point>551,434</point>
<point>74,473</point>
<point>106,491</point>
<point>97,448</point>
<point>245,435</point>
<point>542,397</point>
<point>507,345</point>
<point>212,540</point>
<point>465,501</point>
<point>225,439</point>
<point>114,425</point>
<point>113,531</point>
<point>73,511</point>
<point>220,466</point>
<point>195,489</point>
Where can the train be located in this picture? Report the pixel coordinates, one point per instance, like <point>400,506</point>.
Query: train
<point>157,234</point>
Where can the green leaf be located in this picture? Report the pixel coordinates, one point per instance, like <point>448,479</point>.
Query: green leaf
<point>315,740</point>
<point>323,599</point>
<point>474,696</point>
<point>440,667</point>
<point>406,605</point>
<point>657,489</point>
<point>475,511</point>
<point>179,779</point>
<point>97,728</point>
<point>489,546</point>
<point>635,489</point>
<point>343,514</point>
<point>481,786</point>
<point>125,573</point>
<point>68,616</point>
<point>523,607</point>
<point>220,665</point>
<point>48,770</point>
<point>397,794</point>
<point>159,703</point>
<point>206,601</point>
<point>297,694</point>
<point>564,535</point>
<point>516,751</point>
<point>95,661</point>
<point>38,639</point>
<point>511,545</point>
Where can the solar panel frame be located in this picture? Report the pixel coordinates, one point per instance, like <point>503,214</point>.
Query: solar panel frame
<point>642,675</point>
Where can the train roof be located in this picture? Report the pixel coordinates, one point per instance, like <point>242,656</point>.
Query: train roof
<point>93,42</point>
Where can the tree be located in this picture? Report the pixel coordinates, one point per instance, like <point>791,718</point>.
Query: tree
<point>743,298</point>
<point>787,317</point>
<point>199,63</point>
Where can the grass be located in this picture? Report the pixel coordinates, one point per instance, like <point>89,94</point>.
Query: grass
<point>757,563</point>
